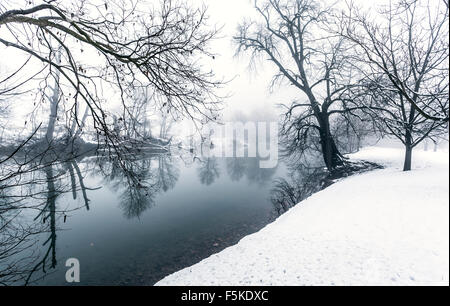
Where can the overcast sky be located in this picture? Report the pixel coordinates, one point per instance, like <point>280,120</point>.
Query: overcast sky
<point>249,89</point>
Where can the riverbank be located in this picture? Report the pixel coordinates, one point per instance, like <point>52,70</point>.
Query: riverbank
<point>386,227</point>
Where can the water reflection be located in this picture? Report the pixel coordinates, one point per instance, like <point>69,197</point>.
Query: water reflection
<point>48,215</point>
<point>139,180</point>
<point>208,171</point>
<point>237,168</point>
<point>35,206</point>
<point>28,239</point>
<point>29,217</point>
<point>301,183</point>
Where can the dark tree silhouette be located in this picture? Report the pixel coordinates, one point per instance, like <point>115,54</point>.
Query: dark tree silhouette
<point>131,46</point>
<point>293,36</point>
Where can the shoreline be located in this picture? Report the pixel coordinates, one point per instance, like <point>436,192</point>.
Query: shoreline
<point>384,235</point>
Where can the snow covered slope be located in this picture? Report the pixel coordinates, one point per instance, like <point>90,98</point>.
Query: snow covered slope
<point>385,227</point>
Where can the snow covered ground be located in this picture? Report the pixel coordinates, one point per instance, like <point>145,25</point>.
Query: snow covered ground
<point>386,227</point>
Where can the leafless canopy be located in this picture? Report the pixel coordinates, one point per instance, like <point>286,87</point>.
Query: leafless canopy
<point>408,44</point>
<point>403,54</point>
<point>295,36</point>
<point>118,45</point>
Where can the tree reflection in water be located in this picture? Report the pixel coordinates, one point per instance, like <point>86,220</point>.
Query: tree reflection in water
<point>32,212</point>
<point>28,240</point>
<point>140,181</point>
<point>238,168</point>
<point>302,182</point>
<point>208,171</point>
<point>22,231</point>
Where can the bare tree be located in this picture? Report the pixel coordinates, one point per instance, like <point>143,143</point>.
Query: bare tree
<point>404,57</point>
<point>137,46</point>
<point>293,35</point>
<point>398,118</point>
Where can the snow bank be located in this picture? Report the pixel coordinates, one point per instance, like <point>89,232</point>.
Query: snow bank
<point>385,227</point>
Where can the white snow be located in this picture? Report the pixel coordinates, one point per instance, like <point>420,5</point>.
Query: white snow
<point>385,227</point>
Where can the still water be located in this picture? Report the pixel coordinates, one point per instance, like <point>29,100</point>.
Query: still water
<point>176,211</point>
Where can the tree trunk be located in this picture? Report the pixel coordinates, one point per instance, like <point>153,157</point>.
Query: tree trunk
<point>54,101</point>
<point>331,155</point>
<point>408,153</point>
<point>76,130</point>
<point>52,118</point>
